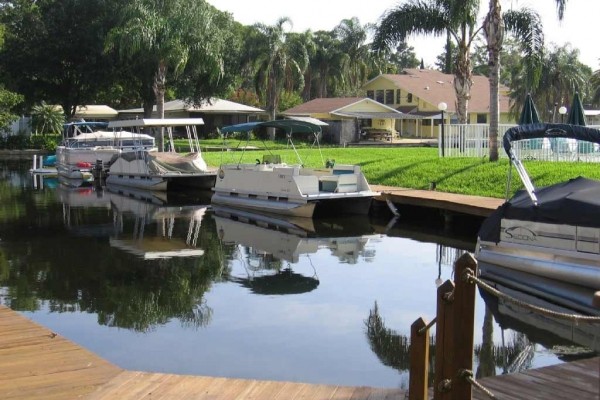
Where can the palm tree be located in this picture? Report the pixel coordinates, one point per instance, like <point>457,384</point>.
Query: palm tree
<point>278,63</point>
<point>327,57</point>
<point>46,118</point>
<point>525,24</point>
<point>352,37</point>
<point>437,17</point>
<point>562,74</point>
<point>167,35</point>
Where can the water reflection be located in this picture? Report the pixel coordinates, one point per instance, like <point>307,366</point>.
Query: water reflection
<point>267,246</point>
<point>294,289</point>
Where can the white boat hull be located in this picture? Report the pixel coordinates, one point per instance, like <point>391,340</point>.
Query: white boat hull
<point>143,171</point>
<point>293,190</point>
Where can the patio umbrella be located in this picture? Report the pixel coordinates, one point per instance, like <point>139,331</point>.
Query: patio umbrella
<point>529,114</point>
<point>576,115</point>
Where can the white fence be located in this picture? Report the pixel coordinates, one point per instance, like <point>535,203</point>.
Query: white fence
<point>471,140</point>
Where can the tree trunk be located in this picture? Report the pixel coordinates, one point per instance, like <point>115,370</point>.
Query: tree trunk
<point>160,87</point>
<point>462,82</point>
<point>272,99</point>
<point>493,29</point>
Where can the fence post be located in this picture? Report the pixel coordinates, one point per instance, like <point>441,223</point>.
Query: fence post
<point>419,360</point>
<point>463,329</point>
<point>444,342</point>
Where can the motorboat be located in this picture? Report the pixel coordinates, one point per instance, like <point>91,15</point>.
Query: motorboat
<point>87,144</point>
<point>546,240</point>
<point>273,186</point>
<point>151,169</point>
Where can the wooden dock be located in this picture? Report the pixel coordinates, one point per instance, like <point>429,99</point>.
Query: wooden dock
<point>35,363</point>
<point>471,205</point>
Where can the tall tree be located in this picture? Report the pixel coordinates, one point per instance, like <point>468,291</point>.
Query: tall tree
<point>437,17</point>
<point>526,25</point>
<point>176,39</point>
<point>278,62</point>
<point>352,38</point>
<point>562,74</point>
<point>327,66</point>
<point>53,50</point>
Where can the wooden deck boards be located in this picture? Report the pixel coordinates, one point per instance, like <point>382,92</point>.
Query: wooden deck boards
<point>37,364</point>
<point>471,205</point>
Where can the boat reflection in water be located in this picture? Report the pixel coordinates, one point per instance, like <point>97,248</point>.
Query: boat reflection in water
<point>565,337</point>
<point>268,246</point>
<point>147,207</point>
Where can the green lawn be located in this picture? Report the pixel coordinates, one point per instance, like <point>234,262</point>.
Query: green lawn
<point>418,167</point>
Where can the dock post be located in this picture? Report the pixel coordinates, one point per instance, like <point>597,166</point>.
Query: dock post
<point>444,342</point>
<point>463,330</point>
<point>419,360</point>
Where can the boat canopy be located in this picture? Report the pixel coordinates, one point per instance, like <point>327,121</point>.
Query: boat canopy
<point>574,202</point>
<point>288,125</point>
<point>541,130</point>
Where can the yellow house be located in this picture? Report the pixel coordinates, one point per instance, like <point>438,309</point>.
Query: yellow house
<point>418,92</point>
<point>349,117</point>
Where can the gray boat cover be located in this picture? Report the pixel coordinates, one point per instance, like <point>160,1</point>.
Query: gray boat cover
<point>575,202</point>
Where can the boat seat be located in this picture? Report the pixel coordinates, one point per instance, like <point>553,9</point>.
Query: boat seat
<point>343,183</point>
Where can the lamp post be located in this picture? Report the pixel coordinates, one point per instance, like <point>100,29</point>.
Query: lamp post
<point>442,107</point>
<point>562,111</point>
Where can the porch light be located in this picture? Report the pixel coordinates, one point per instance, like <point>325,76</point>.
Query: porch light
<point>562,111</point>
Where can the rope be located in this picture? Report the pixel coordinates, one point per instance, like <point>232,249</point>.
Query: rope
<point>468,376</point>
<point>571,317</point>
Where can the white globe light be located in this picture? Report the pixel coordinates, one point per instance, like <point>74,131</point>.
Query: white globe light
<point>442,106</point>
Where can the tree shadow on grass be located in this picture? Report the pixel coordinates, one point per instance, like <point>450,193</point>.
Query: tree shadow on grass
<point>390,174</point>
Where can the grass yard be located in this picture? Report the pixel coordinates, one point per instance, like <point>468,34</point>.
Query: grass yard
<point>417,167</point>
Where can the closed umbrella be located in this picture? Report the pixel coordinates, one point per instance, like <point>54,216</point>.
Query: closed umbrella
<point>529,114</point>
<point>576,115</point>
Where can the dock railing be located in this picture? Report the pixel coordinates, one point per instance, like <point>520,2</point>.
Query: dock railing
<point>453,377</point>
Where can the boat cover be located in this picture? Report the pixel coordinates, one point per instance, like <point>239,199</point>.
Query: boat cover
<point>542,130</point>
<point>575,202</point>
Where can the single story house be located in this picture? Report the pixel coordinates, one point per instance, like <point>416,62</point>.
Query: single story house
<point>215,112</point>
<point>349,118</point>
<point>418,92</point>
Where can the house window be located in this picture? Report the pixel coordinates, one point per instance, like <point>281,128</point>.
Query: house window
<point>389,96</point>
<point>365,123</point>
<point>482,118</point>
<point>398,92</point>
<point>371,94</point>
<point>379,96</point>
<point>426,122</point>
<point>409,97</point>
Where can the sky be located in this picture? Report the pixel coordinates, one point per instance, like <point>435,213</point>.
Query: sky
<point>580,26</point>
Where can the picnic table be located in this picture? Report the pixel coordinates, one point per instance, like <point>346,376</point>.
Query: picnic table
<point>378,134</point>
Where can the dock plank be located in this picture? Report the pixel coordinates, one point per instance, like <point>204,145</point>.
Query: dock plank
<point>37,364</point>
<point>471,205</point>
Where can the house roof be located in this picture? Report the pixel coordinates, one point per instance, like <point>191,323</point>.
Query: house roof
<point>92,111</point>
<point>214,106</point>
<point>322,105</point>
<point>435,87</point>
<point>354,107</point>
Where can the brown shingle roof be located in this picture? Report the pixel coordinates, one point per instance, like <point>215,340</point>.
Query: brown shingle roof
<point>322,105</point>
<point>435,87</point>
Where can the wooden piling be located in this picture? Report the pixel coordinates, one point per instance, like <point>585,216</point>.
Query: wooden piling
<point>464,327</point>
<point>419,360</point>
<point>444,342</point>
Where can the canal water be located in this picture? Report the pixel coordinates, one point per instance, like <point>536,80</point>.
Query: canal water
<point>172,285</point>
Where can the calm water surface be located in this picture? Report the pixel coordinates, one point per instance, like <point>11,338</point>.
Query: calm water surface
<point>179,287</point>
